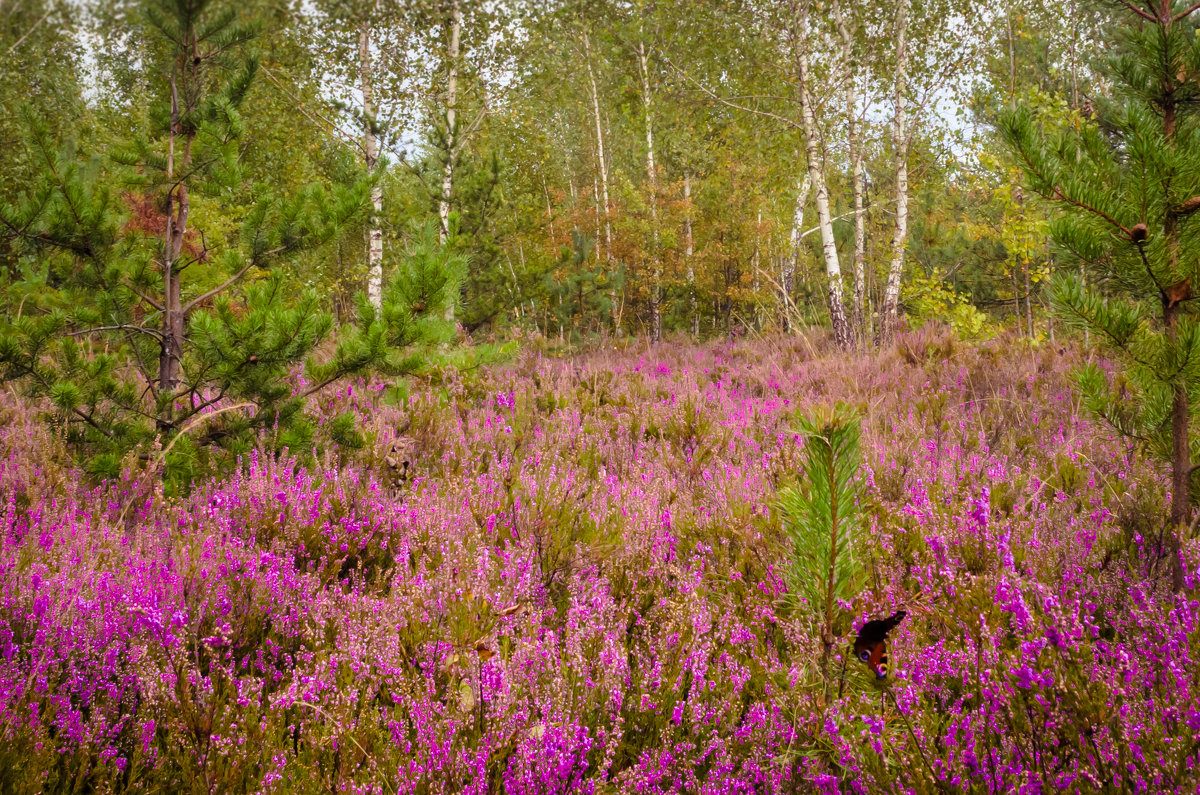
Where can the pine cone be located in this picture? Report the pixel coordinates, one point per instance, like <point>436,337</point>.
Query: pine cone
<point>1190,206</point>
<point>1179,292</point>
<point>1139,233</point>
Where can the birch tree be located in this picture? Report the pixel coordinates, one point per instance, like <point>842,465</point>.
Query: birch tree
<point>848,29</point>
<point>815,158</point>
<point>371,163</point>
<point>468,54</point>
<point>792,259</point>
<point>601,163</point>
<point>891,297</point>
<point>689,251</point>
<point>652,182</point>
<point>365,70</point>
<point>453,26</point>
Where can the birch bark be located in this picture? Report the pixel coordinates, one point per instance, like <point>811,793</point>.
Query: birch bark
<point>652,181</point>
<point>371,161</point>
<point>816,173</point>
<point>689,249</point>
<point>452,56</point>
<point>587,48</point>
<point>856,166</point>
<point>791,261</point>
<point>891,296</point>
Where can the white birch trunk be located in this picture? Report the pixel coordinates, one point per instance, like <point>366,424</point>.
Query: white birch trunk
<point>891,296</point>
<point>787,278</point>
<point>689,248</point>
<point>599,217</point>
<point>371,161</point>
<point>816,172</point>
<point>452,54</point>
<point>549,209</point>
<point>652,180</point>
<point>755,284</point>
<point>856,165</point>
<point>587,48</point>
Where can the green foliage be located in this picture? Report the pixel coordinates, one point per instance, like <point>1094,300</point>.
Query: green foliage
<point>929,300</point>
<point>203,343</point>
<point>580,288</point>
<point>1122,184</point>
<point>823,519</point>
<point>1128,186</point>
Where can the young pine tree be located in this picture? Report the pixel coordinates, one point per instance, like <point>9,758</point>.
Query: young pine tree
<point>1128,187</point>
<point>135,329</point>
<point>823,519</point>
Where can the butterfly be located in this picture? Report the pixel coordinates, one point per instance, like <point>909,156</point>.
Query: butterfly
<point>870,646</point>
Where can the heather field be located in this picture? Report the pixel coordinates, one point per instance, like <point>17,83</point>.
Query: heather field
<point>568,575</point>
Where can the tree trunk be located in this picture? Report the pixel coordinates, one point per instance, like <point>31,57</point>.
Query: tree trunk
<point>1181,460</point>
<point>755,268</point>
<point>587,47</point>
<point>599,218</point>
<point>371,161</point>
<point>177,210</point>
<point>792,260</point>
<point>549,209</point>
<point>1181,454</point>
<point>1087,332</point>
<point>891,295</point>
<point>652,181</point>
<point>689,248</point>
<point>816,172</point>
<point>1017,303</point>
<point>859,187</point>
<point>454,25</point>
<point>1028,302</point>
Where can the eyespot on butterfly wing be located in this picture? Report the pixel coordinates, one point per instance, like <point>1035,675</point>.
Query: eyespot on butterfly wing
<point>870,647</point>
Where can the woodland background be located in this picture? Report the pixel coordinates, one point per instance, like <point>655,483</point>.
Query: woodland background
<point>617,168</point>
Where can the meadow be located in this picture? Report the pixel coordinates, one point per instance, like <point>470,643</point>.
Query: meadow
<point>569,575</point>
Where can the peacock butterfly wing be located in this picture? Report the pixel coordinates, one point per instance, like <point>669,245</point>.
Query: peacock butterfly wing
<point>878,660</point>
<point>870,647</point>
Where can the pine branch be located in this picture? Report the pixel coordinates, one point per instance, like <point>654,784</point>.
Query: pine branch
<point>1141,247</point>
<point>141,295</point>
<point>1141,12</point>
<point>190,305</point>
<point>1057,194</point>
<point>119,327</point>
<point>1182,15</point>
<point>1093,321</point>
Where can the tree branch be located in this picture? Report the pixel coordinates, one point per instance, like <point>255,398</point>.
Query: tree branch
<point>190,305</point>
<point>716,97</point>
<point>318,120</point>
<point>1058,195</point>
<point>36,25</point>
<point>1185,14</point>
<point>141,295</point>
<point>1150,271</point>
<point>119,327</point>
<point>334,130</point>
<point>1141,12</point>
<point>462,142</point>
<point>88,419</point>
